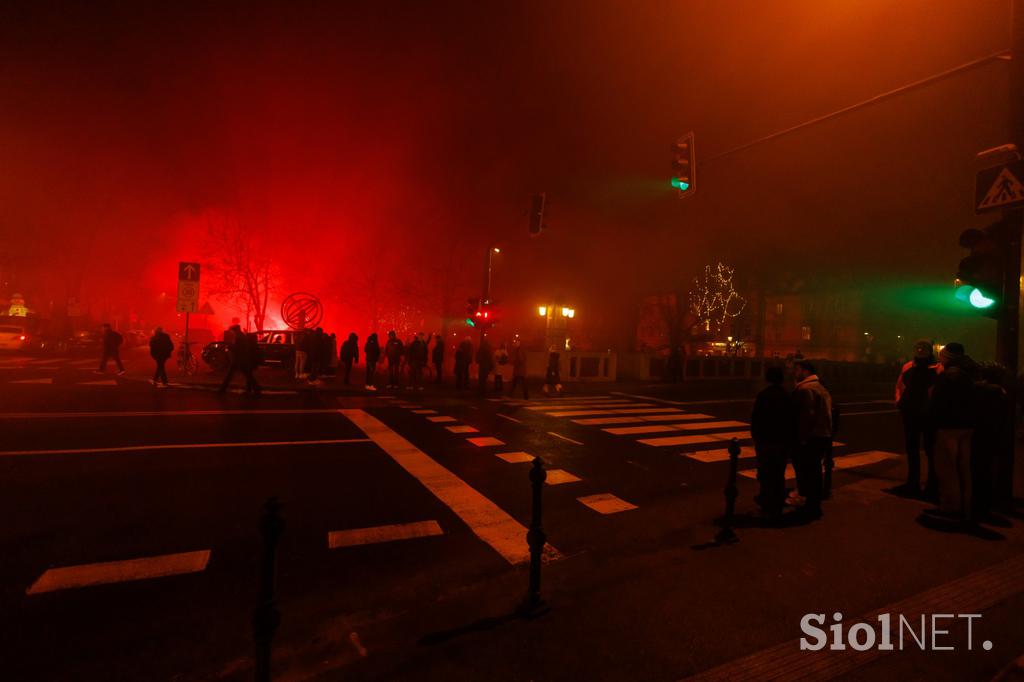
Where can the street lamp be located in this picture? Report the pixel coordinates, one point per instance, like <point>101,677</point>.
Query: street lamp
<point>542,310</point>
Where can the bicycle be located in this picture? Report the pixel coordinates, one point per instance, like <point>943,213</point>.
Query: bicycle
<point>187,362</point>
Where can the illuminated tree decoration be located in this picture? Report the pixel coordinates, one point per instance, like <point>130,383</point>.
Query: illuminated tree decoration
<point>713,299</point>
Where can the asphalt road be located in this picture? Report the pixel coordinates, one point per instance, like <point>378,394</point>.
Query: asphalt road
<point>429,524</point>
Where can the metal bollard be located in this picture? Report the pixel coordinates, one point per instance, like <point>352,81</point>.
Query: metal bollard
<point>726,533</point>
<point>266,617</point>
<point>535,538</point>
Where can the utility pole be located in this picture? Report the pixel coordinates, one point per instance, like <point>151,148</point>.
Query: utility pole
<point>1008,325</point>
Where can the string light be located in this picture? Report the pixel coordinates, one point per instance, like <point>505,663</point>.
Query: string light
<point>713,299</point>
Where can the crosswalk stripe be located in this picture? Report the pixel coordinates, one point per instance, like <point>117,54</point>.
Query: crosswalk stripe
<point>87,575</point>
<point>688,426</point>
<point>638,410</point>
<point>639,419</point>
<point>560,476</point>
<point>424,411</point>
<point>606,503</point>
<point>179,446</point>
<point>857,459</point>
<point>485,441</point>
<point>462,428</point>
<point>573,406</point>
<point>695,439</point>
<point>102,382</point>
<point>32,381</point>
<point>720,455</point>
<point>486,519</point>
<point>379,534</point>
<point>442,420</point>
<point>515,457</point>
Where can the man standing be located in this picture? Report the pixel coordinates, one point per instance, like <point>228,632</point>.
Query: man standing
<point>349,355</point>
<point>951,414</point>
<point>485,363</point>
<point>518,358</point>
<point>463,358</point>
<point>437,357</point>
<point>371,351</point>
<point>912,391</point>
<point>301,352</point>
<point>417,361</point>
<point>111,350</point>
<point>813,435</point>
<point>236,354</point>
<point>160,349</point>
<point>772,426</point>
<point>393,351</point>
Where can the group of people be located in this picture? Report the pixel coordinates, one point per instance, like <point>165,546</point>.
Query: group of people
<point>796,426</point>
<point>961,413</point>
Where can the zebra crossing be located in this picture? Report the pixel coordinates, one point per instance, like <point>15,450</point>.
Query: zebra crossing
<point>654,423</point>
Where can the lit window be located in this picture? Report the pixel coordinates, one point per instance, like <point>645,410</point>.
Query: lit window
<point>778,308</point>
<point>805,333</point>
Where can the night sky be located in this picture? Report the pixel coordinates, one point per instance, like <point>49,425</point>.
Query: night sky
<point>403,137</point>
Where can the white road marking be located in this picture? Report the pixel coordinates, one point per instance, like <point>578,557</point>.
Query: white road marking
<point>606,503</point>
<point>566,438</point>
<point>424,411</point>
<point>485,441</point>
<point>179,446</point>
<point>573,406</point>
<point>695,439</point>
<point>598,421</point>
<point>511,419</point>
<point>858,459</point>
<point>560,476</point>
<point>515,457</point>
<point>32,381</point>
<point>687,402</point>
<point>442,420</point>
<point>155,413</point>
<point>688,426</point>
<point>462,428</point>
<point>378,534</point>
<point>101,382</point>
<point>86,575</point>
<point>487,520</point>
<point>635,410</point>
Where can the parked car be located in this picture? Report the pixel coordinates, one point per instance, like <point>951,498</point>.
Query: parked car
<point>14,337</point>
<point>277,347</point>
<point>85,341</point>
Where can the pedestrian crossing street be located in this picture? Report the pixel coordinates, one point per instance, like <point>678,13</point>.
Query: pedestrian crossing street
<point>650,421</point>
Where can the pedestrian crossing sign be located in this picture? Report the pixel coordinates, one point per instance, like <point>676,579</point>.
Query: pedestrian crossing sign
<point>999,187</point>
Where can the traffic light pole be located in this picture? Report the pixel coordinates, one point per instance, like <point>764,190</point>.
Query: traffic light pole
<point>1008,327</point>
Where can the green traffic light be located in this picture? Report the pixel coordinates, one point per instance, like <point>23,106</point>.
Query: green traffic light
<point>470,322</point>
<point>680,184</point>
<point>979,300</point>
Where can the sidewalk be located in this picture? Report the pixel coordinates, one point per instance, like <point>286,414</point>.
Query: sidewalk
<point>660,608</point>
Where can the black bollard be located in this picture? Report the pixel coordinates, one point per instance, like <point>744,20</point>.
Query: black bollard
<point>535,538</point>
<point>726,534</point>
<point>266,618</point>
<point>830,463</point>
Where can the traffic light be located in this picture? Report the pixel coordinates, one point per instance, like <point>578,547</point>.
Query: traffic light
<point>537,213</point>
<point>472,311</point>
<point>684,165</point>
<point>980,275</point>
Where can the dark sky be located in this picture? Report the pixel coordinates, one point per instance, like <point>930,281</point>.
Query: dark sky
<point>344,133</point>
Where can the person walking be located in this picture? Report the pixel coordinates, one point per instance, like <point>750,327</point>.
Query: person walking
<point>437,357</point>
<point>249,361</point>
<point>417,355</point>
<point>316,345</point>
<point>518,359</point>
<point>331,356</point>
<point>348,355</point>
<point>111,350</point>
<point>773,429</point>
<point>236,354</point>
<point>371,351</point>
<point>500,365</point>
<point>553,375</point>
<point>912,390</point>
<point>393,352</point>
<point>485,363</point>
<point>160,349</point>
<point>951,413</point>
<point>991,437</point>
<point>813,435</point>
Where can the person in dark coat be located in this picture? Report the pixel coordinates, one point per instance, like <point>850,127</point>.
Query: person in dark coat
<point>553,375</point>
<point>463,359</point>
<point>813,435</point>
<point>773,428</point>
<point>111,350</point>
<point>160,349</point>
<point>244,356</point>
<point>992,437</point>
<point>437,357</point>
<point>417,355</point>
<point>393,352</point>
<point>951,412</point>
<point>912,391</point>
<point>372,353</point>
<point>485,363</point>
<point>317,345</point>
<point>349,354</point>
<point>518,360</point>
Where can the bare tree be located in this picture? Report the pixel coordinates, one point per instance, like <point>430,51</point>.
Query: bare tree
<point>713,298</point>
<point>243,274</point>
